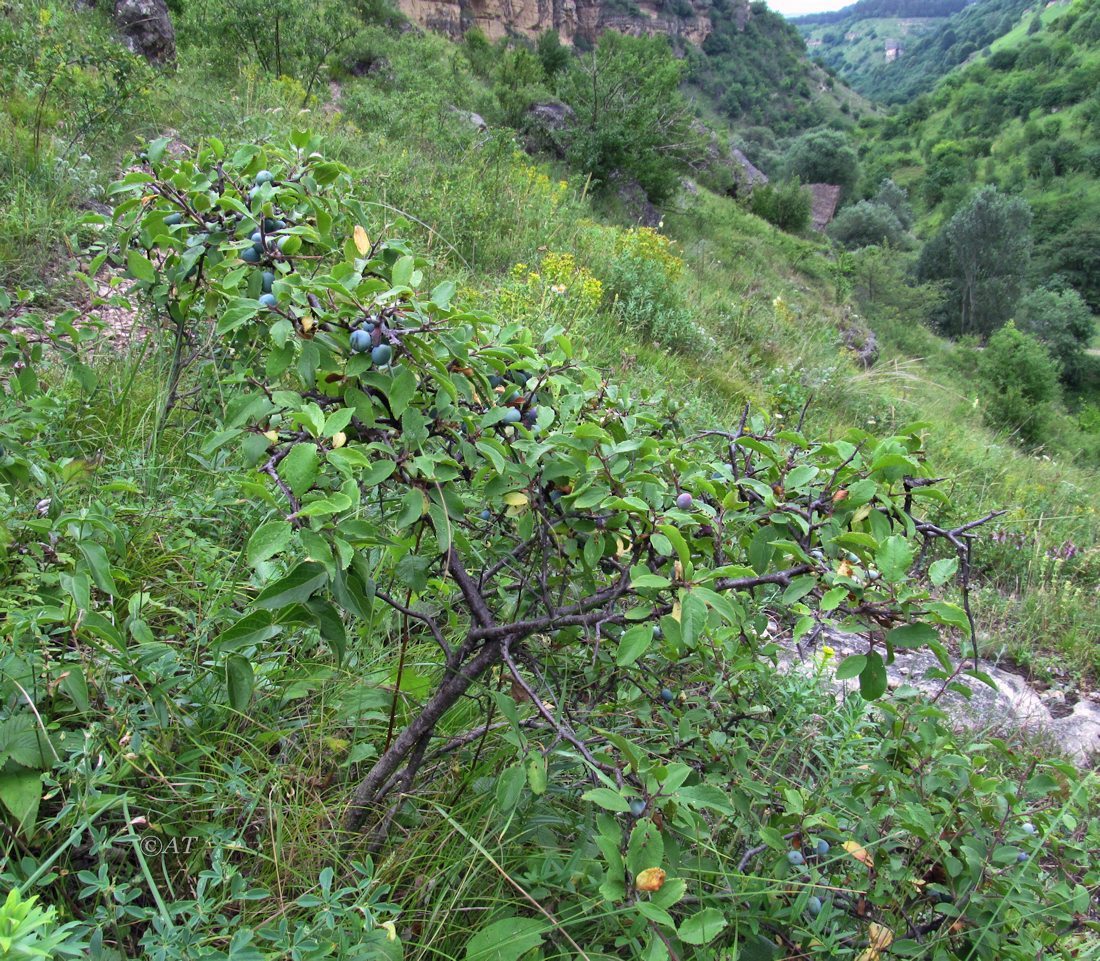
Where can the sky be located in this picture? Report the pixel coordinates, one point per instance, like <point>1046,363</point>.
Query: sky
<point>793,8</point>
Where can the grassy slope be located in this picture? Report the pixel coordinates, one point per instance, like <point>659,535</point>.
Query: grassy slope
<point>430,174</point>
<point>486,208</point>
<point>967,116</point>
<point>939,51</point>
<point>855,60</point>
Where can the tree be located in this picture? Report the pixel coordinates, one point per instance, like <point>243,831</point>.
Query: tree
<point>825,157</point>
<point>897,199</point>
<point>291,37</point>
<point>630,114</point>
<point>518,83</point>
<point>788,206</point>
<point>983,253</point>
<point>866,224</point>
<point>1073,253</point>
<point>1059,317</point>
<point>507,512</point>
<point>1019,381</point>
<point>553,54</point>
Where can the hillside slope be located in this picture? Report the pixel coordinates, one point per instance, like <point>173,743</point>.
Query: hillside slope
<point>1025,117</point>
<point>381,383</point>
<point>942,49</point>
<point>858,40</point>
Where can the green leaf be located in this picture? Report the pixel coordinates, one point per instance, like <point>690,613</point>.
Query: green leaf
<point>239,680</point>
<point>912,635</point>
<point>510,787</point>
<point>100,569</point>
<point>253,628</point>
<point>267,541</point>
<point>239,311</point>
<point>75,685</point>
<point>693,618</point>
<point>851,666</point>
<point>761,550</point>
<point>21,792</point>
<point>942,571</point>
<point>402,272</point>
<point>831,600</point>
<point>646,848</point>
<point>20,740</point>
<point>401,390</point>
<point>296,588</point>
<point>633,644</point>
<point>505,940</point>
<point>950,614</point>
<point>894,558</point>
<point>872,679</point>
<point>140,267</point>
<point>299,468</point>
<point>655,913</point>
<point>672,891</point>
<point>703,927</point>
<point>536,772</point>
<point>706,796</point>
<point>607,799</point>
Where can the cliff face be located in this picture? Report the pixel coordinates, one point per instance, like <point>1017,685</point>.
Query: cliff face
<point>574,20</point>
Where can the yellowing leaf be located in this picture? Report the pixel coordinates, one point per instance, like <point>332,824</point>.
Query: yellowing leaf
<point>845,569</point>
<point>307,324</point>
<point>362,241</point>
<point>391,930</point>
<point>881,937</point>
<point>675,613</point>
<point>271,435</point>
<point>651,879</point>
<point>859,852</point>
<point>862,514</point>
<point>339,439</point>
<point>516,499</point>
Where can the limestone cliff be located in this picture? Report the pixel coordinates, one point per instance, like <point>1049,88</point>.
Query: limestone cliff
<point>575,20</point>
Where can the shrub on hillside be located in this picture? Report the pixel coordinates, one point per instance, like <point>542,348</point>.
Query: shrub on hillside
<point>825,157</point>
<point>982,256</point>
<point>1060,318</point>
<point>866,224</point>
<point>1019,382</point>
<point>641,280</point>
<point>630,114</point>
<point>518,81</point>
<point>787,205</point>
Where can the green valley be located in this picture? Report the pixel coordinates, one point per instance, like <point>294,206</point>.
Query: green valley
<point>454,505</point>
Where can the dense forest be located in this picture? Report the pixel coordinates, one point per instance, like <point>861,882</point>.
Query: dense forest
<point>452,505</point>
<point>758,75</point>
<point>1024,118</point>
<point>936,53</point>
<point>876,9</point>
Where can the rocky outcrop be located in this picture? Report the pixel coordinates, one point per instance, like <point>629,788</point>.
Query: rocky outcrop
<point>575,20</point>
<point>637,204</point>
<point>859,339</point>
<point>729,169</point>
<point>546,124</point>
<point>147,28</point>
<point>1014,708</point>
<point>826,198</point>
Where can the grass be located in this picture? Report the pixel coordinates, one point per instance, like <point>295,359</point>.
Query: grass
<point>263,790</point>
